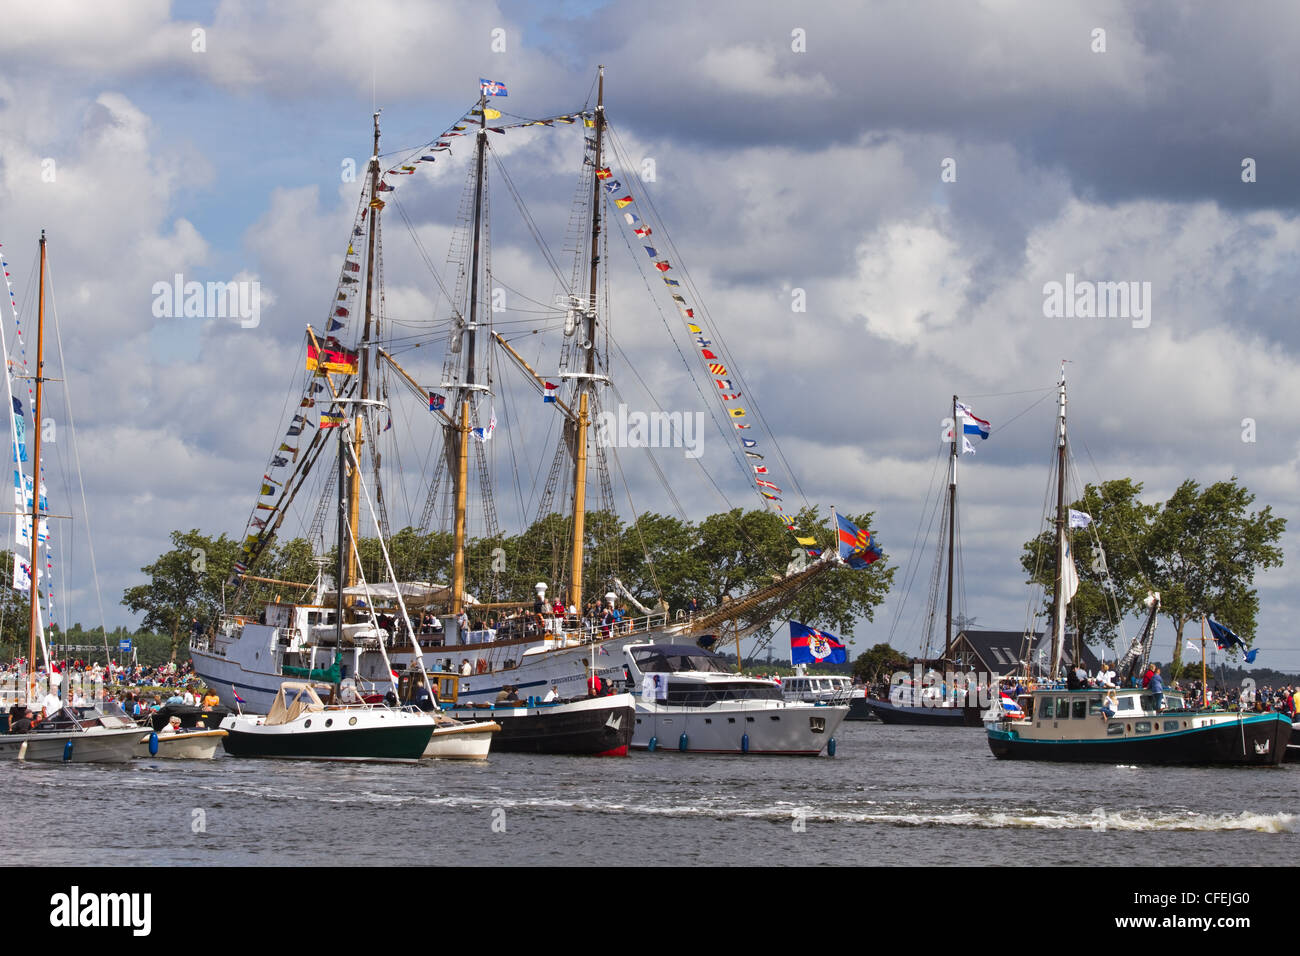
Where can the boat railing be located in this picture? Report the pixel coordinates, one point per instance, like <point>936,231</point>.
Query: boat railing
<point>572,631</point>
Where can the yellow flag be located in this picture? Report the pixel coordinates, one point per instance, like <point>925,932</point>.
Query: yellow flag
<point>737,413</point>
<point>491,114</point>
<point>806,542</point>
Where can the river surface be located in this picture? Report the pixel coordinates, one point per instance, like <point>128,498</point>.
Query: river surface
<point>917,796</point>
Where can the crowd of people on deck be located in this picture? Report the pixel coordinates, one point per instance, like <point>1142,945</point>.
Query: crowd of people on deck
<point>599,617</point>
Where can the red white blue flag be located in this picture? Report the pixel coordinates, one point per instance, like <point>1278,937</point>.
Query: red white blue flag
<point>811,646</point>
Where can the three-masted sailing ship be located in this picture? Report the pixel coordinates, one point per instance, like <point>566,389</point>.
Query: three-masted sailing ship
<point>563,650</point>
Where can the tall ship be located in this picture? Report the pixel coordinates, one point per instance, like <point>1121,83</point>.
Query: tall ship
<point>515,617</point>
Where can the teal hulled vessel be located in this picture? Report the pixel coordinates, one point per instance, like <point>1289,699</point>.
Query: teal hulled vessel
<point>1146,728</point>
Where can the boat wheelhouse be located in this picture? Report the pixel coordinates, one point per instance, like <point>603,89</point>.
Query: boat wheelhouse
<point>1145,728</point>
<point>818,688</point>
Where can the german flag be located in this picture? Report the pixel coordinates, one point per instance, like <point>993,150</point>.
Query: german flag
<point>331,360</point>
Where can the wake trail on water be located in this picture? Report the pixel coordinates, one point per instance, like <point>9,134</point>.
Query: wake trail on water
<point>1027,818</point>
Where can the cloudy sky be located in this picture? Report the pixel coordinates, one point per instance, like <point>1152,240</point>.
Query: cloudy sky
<point>912,174</point>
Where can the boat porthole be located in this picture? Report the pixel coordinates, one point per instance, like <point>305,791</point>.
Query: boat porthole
<point>352,721</point>
<point>307,722</point>
<point>329,722</point>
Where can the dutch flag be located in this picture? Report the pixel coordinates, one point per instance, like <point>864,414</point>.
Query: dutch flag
<point>972,424</point>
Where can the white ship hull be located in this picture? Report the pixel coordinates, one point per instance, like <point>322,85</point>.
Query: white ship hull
<point>250,664</point>
<point>199,745</point>
<point>754,727</point>
<point>94,745</point>
<point>458,741</point>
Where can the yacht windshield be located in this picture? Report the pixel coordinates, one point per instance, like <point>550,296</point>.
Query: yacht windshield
<point>671,660</point>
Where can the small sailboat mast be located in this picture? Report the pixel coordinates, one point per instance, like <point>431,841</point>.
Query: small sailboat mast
<point>34,629</point>
<point>1064,569</point>
<point>958,435</point>
<point>585,383</point>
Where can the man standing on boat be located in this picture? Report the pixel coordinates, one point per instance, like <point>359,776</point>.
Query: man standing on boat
<point>1158,689</point>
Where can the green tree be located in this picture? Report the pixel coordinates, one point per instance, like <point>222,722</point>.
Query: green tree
<point>15,612</point>
<point>841,597</point>
<point>870,666</point>
<point>1202,554</point>
<point>185,583</point>
<point>660,560</point>
<point>1107,556</point>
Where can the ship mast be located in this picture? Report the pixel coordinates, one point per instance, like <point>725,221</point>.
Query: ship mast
<point>1059,598</point>
<point>589,368</point>
<point>471,327</point>
<point>354,490</point>
<point>34,536</point>
<point>957,436</point>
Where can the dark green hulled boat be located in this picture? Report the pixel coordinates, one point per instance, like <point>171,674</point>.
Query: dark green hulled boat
<point>1138,727</point>
<point>301,727</point>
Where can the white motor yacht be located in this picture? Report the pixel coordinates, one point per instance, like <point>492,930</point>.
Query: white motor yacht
<point>692,703</point>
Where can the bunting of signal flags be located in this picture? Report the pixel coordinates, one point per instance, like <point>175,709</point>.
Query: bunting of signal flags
<point>442,143</point>
<point>46,575</point>
<point>727,391</point>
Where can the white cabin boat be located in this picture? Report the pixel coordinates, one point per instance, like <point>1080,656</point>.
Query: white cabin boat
<point>690,702</point>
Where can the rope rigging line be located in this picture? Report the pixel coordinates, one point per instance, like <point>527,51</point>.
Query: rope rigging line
<point>76,456</point>
<point>932,504</point>
<point>751,401</point>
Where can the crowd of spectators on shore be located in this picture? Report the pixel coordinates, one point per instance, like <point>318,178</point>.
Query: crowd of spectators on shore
<point>170,674</point>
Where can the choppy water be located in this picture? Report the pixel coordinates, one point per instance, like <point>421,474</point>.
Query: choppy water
<point>893,795</point>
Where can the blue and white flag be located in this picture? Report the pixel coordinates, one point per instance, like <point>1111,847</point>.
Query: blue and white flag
<point>483,434</point>
<point>1226,640</point>
<point>491,87</point>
